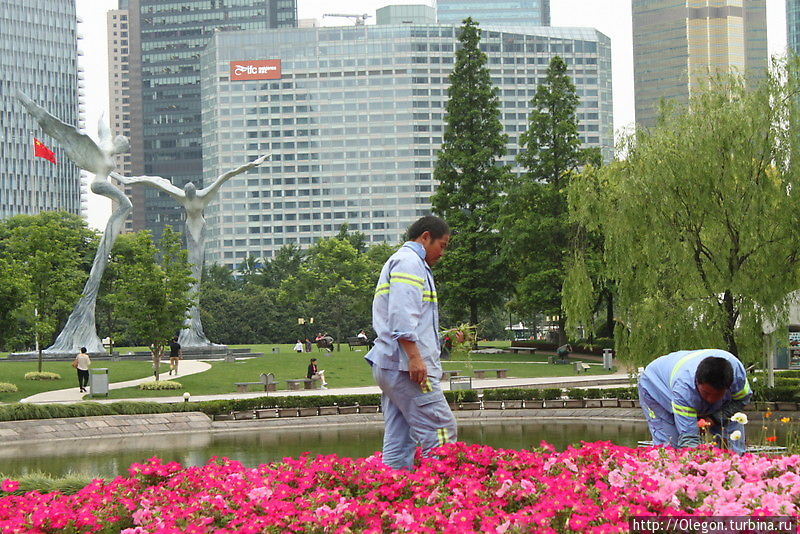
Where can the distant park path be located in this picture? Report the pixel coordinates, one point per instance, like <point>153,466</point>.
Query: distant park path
<point>186,367</point>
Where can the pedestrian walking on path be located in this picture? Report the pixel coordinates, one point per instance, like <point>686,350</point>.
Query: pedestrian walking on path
<point>81,364</point>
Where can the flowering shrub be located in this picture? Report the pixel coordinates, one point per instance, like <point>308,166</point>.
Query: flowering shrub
<point>468,488</point>
<point>161,384</point>
<point>7,387</point>
<point>43,375</point>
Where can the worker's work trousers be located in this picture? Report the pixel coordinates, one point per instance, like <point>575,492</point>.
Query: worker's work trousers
<point>413,415</point>
<point>662,426</point>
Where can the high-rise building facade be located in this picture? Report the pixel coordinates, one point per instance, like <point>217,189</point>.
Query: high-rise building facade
<point>678,44</point>
<point>39,56</point>
<point>405,14</point>
<point>494,12</point>
<point>793,25</point>
<point>353,118</point>
<point>164,43</point>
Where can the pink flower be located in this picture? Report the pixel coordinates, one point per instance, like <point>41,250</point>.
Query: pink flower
<point>9,485</point>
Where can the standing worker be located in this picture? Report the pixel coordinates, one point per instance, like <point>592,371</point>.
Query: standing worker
<point>678,390</point>
<point>405,357</point>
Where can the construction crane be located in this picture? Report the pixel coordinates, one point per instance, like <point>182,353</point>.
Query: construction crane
<point>360,19</point>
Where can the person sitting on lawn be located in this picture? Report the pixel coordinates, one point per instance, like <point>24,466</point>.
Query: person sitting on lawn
<point>298,347</point>
<point>314,373</point>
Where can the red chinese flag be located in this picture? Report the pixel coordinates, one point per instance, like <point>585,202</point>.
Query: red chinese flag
<point>41,151</point>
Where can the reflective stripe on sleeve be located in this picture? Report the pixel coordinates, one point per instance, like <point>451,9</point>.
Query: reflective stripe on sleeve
<point>404,278</point>
<point>745,391</point>
<point>429,296</point>
<point>683,410</point>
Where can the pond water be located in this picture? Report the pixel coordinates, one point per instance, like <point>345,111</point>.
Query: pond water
<point>109,457</point>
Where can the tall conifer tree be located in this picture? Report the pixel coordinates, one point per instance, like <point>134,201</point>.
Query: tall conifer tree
<point>470,181</point>
<point>537,235</point>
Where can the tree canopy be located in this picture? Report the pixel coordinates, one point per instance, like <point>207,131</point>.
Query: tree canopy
<point>700,222</point>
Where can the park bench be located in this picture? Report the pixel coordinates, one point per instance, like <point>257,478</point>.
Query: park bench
<point>447,375</point>
<point>307,383</point>
<point>357,342</point>
<point>266,379</point>
<point>581,367</point>
<point>518,350</point>
<point>481,373</point>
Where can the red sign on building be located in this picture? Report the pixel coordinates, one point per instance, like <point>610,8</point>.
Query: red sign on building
<point>267,69</point>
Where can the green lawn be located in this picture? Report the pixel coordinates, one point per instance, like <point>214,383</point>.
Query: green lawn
<point>342,369</point>
<point>14,372</point>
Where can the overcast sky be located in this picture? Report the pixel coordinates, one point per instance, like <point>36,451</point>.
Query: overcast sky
<point>612,17</point>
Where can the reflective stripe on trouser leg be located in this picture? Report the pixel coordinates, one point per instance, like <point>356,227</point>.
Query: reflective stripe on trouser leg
<point>660,422</point>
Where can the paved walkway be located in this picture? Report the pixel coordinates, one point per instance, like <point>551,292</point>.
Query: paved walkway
<point>185,368</point>
<point>72,395</point>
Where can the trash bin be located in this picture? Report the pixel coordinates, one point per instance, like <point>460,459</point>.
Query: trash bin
<point>98,381</point>
<point>608,357</point>
<point>460,382</point>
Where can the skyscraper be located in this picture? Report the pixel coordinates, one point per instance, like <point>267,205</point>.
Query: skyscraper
<point>353,117</point>
<point>494,12</point>
<point>793,25</point>
<point>678,44</point>
<point>164,41</point>
<point>39,56</point>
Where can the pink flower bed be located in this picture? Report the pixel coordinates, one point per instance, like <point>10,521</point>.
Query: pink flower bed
<point>468,488</point>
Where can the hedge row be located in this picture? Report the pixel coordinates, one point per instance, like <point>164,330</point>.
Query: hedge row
<point>21,411</point>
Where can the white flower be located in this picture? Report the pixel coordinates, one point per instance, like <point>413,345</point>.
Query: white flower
<point>739,417</point>
<point>736,435</point>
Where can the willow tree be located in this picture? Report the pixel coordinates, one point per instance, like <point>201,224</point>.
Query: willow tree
<point>700,222</point>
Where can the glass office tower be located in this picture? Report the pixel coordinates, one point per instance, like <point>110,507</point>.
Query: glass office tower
<point>494,13</point>
<point>793,25</point>
<point>677,44</point>
<point>163,43</point>
<point>353,118</point>
<point>39,56</point>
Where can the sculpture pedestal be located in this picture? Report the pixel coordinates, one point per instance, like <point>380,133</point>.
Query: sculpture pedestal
<point>55,356</point>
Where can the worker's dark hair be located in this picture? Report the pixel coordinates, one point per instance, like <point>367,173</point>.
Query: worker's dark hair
<point>716,372</point>
<point>429,223</point>
<point>83,349</point>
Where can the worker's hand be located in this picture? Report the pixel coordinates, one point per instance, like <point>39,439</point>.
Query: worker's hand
<point>417,370</point>
<point>460,336</point>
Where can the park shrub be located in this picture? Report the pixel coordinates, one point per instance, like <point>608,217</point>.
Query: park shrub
<point>595,393</point>
<point>777,394</point>
<point>550,393</point>
<point>44,483</point>
<point>157,385</point>
<point>6,387</point>
<point>576,393</point>
<point>622,393</point>
<point>511,394</point>
<point>43,375</point>
<point>786,381</point>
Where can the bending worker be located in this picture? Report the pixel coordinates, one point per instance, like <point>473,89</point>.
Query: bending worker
<point>405,359</point>
<point>683,387</point>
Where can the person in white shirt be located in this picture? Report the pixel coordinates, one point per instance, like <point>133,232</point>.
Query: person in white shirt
<point>82,363</point>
